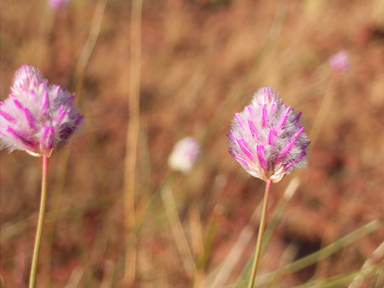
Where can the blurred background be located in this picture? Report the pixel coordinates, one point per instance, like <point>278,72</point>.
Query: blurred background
<point>201,62</point>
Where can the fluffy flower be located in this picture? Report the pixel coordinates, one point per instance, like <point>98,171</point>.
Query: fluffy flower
<point>340,61</point>
<point>184,154</point>
<point>267,138</point>
<point>36,117</point>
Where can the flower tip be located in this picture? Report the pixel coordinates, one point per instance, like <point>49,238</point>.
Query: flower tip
<point>27,78</point>
<point>265,96</point>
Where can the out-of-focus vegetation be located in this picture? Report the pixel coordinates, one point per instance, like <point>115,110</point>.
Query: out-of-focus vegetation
<point>201,61</point>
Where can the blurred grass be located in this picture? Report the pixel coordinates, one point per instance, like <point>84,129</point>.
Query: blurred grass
<point>201,61</point>
<point>315,257</point>
<point>132,142</point>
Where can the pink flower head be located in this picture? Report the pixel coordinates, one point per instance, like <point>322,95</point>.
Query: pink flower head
<point>184,154</point>
<point>267,138</point>
<point>340,61</point>
<point>36,117</point>
<point>57,5</point>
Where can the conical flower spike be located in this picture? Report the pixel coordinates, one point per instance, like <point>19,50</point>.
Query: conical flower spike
<point>36,117</point>
<point>267,138</point>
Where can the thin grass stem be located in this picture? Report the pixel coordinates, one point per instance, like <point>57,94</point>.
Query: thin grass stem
<point>132,140</point>
<point>326,251</point>
<point>323,111</point>
<point>88,48</point>
<point>377,255</point>
<point>2,282</point>
<point>109,268</point>
<point>278,214</point>
<point>75,277</point>
<point>246,234</point>
<point>178,232</point>
<point>237,249</point>
<point>341,280</point>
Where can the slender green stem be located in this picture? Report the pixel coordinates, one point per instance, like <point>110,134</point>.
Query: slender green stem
<point>260,235</point>
<point>40,222</point>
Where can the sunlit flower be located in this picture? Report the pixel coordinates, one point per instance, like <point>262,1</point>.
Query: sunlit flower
<point>340,61</point>
<point>36,117</point>
<point>267,138</point>
<point>184,154</point>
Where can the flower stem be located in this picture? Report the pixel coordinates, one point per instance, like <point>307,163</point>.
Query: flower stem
<point>260,235</point>
<point>39,232</point>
